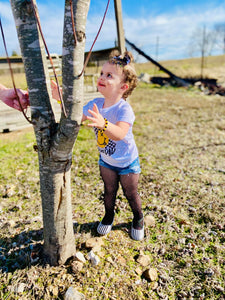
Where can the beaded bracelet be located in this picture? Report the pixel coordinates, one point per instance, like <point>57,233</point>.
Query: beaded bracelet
<point>106,124</point>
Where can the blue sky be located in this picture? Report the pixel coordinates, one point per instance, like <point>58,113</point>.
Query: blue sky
<point>162,29</point>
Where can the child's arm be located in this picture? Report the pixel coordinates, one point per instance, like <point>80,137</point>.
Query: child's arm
<point>9,97</point>
<point>115,132</point>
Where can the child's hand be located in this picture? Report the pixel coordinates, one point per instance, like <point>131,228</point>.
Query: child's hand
<point>97,119</point>
<point>55,92</point>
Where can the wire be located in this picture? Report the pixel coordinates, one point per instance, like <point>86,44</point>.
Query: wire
<point>89,53</point>
<point>12,76</point>
<point>50,59</point>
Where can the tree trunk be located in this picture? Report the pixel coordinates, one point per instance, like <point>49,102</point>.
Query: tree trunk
<point>54,141</point>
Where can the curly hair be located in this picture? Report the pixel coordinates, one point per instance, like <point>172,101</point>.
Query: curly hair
<point>130,76</point>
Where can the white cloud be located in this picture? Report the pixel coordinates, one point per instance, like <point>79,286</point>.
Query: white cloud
<point>173,30</point>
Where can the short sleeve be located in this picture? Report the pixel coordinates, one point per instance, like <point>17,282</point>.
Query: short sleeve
<point>126,114</point>
<point>89,105</point>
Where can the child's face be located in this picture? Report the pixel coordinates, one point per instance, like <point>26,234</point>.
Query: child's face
<point>111,81</point>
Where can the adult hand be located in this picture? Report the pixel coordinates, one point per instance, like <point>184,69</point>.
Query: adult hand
<point>9,97</point>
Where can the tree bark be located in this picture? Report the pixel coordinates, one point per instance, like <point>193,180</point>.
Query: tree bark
<point>55,142</point>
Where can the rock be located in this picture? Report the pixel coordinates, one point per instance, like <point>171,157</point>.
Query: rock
<point>73,294</point>
<point>80,257</point>
<point>97,248</point>
<point>138,271</point>
<point>154,285</point>
<point>151,274</point>
<point>19,289</point>
<point>11,223</point>
<point>76,266</point>
<point>93,258</point>
<point>150,221</point>
<point>54,290</point>
<point>110,260</point>
<point>144,260</point>
<point>94,242</point>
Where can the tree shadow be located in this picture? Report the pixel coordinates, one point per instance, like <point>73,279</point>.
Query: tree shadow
<point>26,248</point>
<point>21,250</point>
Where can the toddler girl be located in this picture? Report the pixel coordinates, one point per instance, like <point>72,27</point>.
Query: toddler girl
<point>112,119</point>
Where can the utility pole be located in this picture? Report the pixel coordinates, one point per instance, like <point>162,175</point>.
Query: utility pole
<point>119,24</point>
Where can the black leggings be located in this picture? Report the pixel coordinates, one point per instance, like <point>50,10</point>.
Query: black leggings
<point>129,183</point>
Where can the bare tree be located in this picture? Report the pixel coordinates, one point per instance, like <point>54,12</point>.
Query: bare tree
<point>55,142</point>
<point>202,42</point>
<point>220,36</point>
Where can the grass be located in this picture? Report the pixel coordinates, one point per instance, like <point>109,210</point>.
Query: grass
<point>180,137</point>
<point>189,68</point>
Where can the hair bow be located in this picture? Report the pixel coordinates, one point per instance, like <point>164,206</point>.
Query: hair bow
<point>122,61</point>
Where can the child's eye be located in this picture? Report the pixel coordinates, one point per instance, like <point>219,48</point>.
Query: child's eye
<point>109,75</point>
<point>101,73</point>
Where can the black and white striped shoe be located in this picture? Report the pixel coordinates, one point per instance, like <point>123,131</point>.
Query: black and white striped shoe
<point>104,229</point>
<point>137,234</point>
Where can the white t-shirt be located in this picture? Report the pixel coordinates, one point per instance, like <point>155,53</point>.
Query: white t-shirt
<point>116,153</point>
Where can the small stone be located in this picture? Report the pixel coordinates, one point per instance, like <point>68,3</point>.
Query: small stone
<point>144,260</point>
<point>76,266</point>
<point>73,294</point>
<point>138,271</point>
<point>151,274</point>
<point>11,223</point>
<point>93,242</point>
<point>19,289</point>
<point>154,285</point>
<point>54,290</point>
<point>97,248</point>
<point>150,221</point>
<point>93,258</point>
<point>80,257</point>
